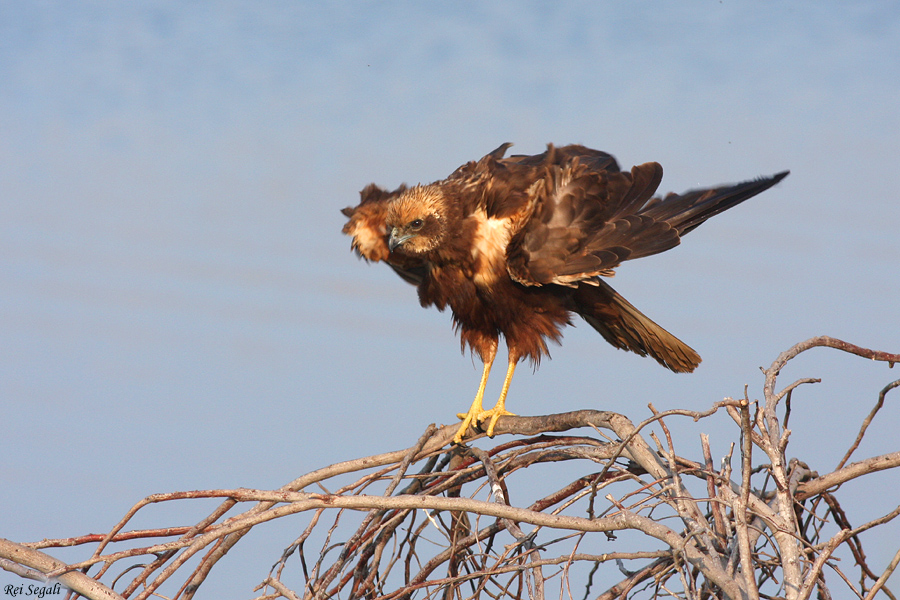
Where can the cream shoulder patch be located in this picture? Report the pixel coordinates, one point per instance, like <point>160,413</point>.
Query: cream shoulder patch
<point>489,247</point>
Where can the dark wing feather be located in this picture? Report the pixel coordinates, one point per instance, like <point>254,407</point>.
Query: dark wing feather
<point>563,155</point>
<point>687,211</point>
<point>586,222</point>
<point>502,185</point>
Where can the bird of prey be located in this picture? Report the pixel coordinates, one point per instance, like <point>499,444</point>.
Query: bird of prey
<point>516,245</point>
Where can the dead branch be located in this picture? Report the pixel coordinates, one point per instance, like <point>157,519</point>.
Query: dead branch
<point>435,520</point>
<point>38,561</point>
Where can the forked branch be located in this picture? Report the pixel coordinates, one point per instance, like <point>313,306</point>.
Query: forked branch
<point>500,519</point>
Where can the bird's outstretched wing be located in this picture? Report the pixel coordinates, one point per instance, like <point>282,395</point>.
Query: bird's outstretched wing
<point>586,221</point>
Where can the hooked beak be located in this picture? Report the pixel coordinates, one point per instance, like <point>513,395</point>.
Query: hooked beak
<point>397,238</point>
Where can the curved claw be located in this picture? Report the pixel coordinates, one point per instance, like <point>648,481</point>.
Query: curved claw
<point>494,414</point>
<point>468,418</point>
<point>476,419</point>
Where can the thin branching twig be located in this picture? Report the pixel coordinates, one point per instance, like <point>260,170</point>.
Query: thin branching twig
<point>496,519</point>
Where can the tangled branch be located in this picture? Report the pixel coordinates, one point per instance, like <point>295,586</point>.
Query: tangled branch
<point>436,520</point>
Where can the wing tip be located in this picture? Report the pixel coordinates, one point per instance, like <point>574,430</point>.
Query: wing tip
<point>780,175</point>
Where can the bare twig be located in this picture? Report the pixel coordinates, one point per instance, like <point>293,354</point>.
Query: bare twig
<point>386,534</point>
<point>852,471</point>
<point>740,506</point>
<point>879,584</point>
<point>867,422</point>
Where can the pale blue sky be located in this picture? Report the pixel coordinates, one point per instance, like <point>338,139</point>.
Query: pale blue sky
<point>179,309</point>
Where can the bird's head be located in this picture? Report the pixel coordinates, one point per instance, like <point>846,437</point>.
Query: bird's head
<point>416,220</point>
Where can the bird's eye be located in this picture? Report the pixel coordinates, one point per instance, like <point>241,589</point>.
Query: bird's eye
<point>417,224</point>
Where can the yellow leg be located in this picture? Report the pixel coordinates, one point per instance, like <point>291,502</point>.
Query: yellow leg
<point>476,408</point>
<point>499,409</point>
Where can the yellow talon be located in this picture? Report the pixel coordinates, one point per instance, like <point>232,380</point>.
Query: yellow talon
<point>476,409</point>
<point>477,414</point>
